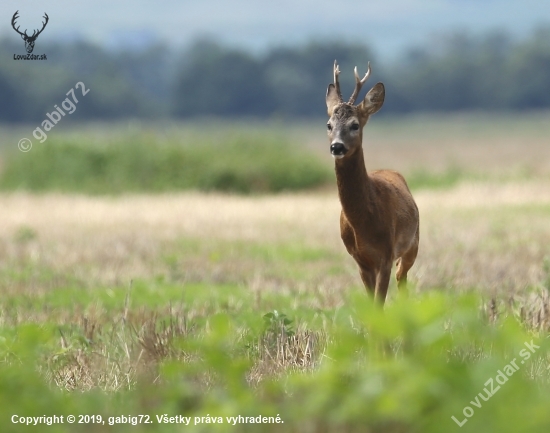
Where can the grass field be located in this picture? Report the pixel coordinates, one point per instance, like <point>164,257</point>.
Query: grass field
<point>210,305</point>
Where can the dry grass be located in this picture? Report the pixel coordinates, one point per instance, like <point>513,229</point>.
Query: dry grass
<point>491,236</point>
<point>114,353</point>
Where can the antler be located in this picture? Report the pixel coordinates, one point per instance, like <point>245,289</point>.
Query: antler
<point>358,84</point>
<point>13,24</point>
<point>43,26</point>
<point>336,83</point>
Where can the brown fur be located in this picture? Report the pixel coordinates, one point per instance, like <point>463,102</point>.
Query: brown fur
<point>379,222</point>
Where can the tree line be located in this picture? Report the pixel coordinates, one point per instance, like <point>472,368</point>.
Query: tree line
<point>454,72</point>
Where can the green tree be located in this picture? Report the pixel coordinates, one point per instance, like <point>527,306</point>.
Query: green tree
<point>298,77</point>
<point>529,71</point>
<point>219,81</point>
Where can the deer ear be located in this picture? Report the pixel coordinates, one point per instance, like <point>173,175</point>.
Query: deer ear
<point>373,100</point>
<point>332,99</point>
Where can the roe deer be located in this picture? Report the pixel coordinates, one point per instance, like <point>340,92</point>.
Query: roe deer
<point>379,219</point>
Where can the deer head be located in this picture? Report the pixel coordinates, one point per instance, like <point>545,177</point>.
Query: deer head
<point>29,40</point>
<point>345,126</point>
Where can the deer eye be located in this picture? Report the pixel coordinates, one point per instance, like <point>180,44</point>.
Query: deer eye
<point>354,126</point>
<point>329,126</point>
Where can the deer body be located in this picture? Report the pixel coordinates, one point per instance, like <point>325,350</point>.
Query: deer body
<point>379,222</point>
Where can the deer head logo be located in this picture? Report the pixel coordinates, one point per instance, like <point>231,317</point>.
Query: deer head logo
<point>29,40</point>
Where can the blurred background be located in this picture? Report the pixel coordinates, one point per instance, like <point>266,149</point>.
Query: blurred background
<point>179,73</point>
<point>240,58</point>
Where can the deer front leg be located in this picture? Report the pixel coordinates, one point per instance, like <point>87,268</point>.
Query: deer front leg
<point>382,283</point>
<point>368,276</point>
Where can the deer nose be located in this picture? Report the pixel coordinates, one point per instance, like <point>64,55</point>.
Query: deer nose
<point>337,149</point>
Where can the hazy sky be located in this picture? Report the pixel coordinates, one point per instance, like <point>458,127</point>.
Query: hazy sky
<point>387,25</point>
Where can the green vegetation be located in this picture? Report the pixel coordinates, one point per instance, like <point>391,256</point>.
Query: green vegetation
<point>438,151</point>
<point>424,179</point>
<point>241,162</point>
<point>212,353</point>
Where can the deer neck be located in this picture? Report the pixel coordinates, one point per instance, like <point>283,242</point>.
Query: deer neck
<point>354,186</point>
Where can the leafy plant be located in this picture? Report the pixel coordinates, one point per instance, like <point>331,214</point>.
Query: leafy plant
<point>276,323</point>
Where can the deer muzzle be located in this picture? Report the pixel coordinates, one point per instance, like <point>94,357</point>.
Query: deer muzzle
<point>338,150</point>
